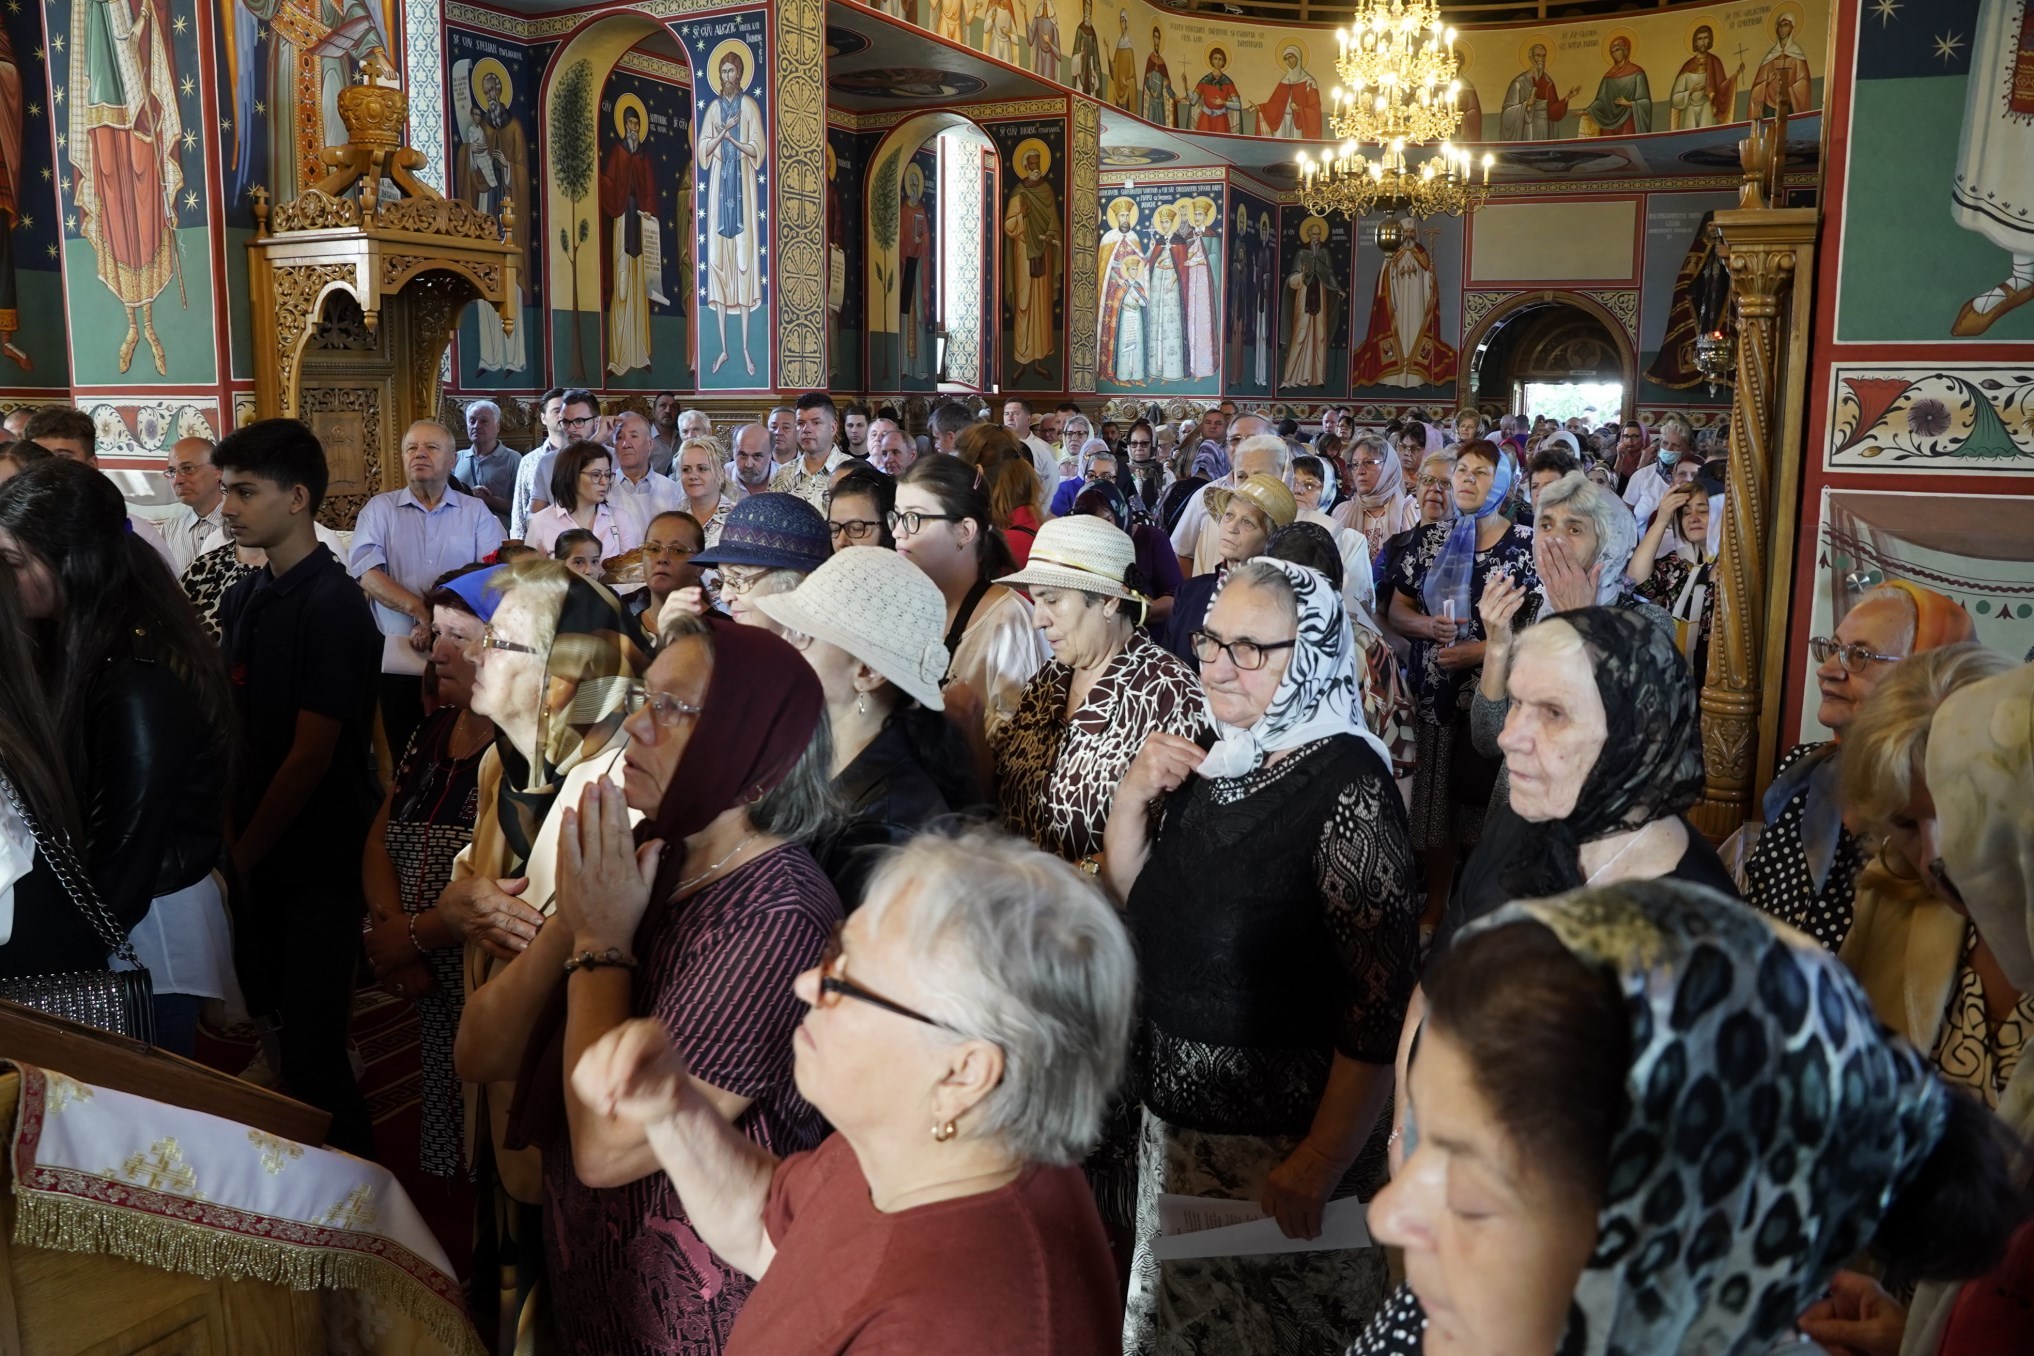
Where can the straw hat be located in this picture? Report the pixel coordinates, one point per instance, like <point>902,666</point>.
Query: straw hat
<point>881,609</point>
<point>1265,492</point>
<point>1082,552</point>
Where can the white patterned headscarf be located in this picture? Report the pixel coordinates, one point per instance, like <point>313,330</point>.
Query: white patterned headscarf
<point>1316,698</point>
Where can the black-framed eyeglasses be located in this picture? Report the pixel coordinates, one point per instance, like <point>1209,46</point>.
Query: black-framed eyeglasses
<point>854,529</point>
<point>578,420</point>
<point>832,986</point>
<point>665,709</point>
<point>1247,655</point>
<point>490,640</point>
<point>909,522</point>
<point>1856,658</point>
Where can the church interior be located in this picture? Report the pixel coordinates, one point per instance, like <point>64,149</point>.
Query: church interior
<point>1803,230</point>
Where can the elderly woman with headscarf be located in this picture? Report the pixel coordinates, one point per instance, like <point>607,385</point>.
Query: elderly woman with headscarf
<point>701,928</point>
<point>1672,564</point>
<point>1803,867</point>
<point>1645,1119</point>
<point>1272,889</point>
<point>984,990</point>
<point>1380,508</point>
<point>1084,715</point>
<point>1094,464</point>
<point>1157,566</point>
<point>1436,586</point>
<point>1244,519</point>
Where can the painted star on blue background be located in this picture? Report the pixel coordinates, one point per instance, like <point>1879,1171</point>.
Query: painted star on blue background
<point>188,86</point>
<point>1885,11</point>
<point>1946,45</point>
<point>180,25</point>
<point>35,110</point>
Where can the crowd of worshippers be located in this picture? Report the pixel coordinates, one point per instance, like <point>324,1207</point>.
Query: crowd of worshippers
<point>848,882</point>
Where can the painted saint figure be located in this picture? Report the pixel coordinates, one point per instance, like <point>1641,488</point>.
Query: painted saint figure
<point>1783,70</point>
<point>124,130</point>
<point>1263,286</point>
<point>1315,294</point>
<point>1995,158</point>
<point>1623,104</point>
<point>1123,67</point>
<point>1197,283</point>
<point>914,274</point>
<point>1403,345</point>
<point>1532,105</point>
<point>999,31</point>
<point>1087,54</point>
<point>1121,216</point>
<point>1157,97</point>
<point>1703,94</point>
<point>1217,105</point>
<point>493,170</point>
<point>1124,299</point>
<point>628,196</point>
<point>1165,330</point>
<point>731,150</point>
<point>1044,38</point>
<point>10,200</point>
<point>1292,111</point>
<point>1031,260</point>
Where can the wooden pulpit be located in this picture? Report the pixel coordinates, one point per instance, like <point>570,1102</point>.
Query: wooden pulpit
<point>358,285</point>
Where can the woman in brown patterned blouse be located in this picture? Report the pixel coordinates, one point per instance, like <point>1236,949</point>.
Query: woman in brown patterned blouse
<point>1083,716</point>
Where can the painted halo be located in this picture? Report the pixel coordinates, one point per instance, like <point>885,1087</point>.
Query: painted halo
<point>914,180</point>
<point>1630,37</point>
<point>630,103</point>
<point>477,81</point>
<point>1313,230</point>
<point>1029,146</point>
<point>1122,213</point>
<point>741,52</point>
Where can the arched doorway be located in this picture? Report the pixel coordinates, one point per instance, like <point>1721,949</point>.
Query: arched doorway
<point>1554,353</point>
<point>931,205</point>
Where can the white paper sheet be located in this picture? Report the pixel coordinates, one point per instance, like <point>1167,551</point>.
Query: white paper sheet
<point>1206,1226</point>
<point>653,254</point>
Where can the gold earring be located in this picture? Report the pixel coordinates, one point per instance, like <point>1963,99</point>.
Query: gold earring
<point>941,1133</point>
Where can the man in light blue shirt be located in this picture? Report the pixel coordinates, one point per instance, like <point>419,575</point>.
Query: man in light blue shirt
<point>488,467</point>
<point>639,493</point>
<point>402,542</point>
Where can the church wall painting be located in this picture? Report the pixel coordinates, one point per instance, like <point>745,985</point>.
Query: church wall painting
<point>34,353</point>
<point>1314,273</point>
<point>1673,227</point>
<point>732,245</point>
<point>1031,249</point>
<point>490,98</point>
<point>1408,309</point>
<point>646,260</point>
<point>1973,420</point>
<point>1939,172</point>
<point>847,156</point>
<point>1160,268</point>
<point>911,354</point>
<point>1250,313</point>
<point>137,247</point>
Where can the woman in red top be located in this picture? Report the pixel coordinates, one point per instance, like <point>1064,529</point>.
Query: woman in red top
<point>1016,505</point>
<point>992,992</point>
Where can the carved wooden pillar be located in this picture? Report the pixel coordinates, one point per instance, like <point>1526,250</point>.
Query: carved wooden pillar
<point>1770,252</point>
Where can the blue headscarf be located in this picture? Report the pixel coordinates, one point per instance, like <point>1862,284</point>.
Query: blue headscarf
<point>1448,577</point>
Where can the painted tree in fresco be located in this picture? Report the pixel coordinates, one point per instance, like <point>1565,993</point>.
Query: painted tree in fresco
<point>883,209</point>
<point>572,165</point>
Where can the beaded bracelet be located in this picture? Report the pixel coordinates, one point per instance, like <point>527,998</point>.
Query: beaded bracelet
<point>595,960</point>
<point>413,933</point>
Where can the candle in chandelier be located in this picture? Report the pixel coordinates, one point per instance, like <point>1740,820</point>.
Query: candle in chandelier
<point>1488,161</point>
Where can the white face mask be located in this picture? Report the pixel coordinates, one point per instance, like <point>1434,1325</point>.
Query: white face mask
<point>1669,455</point>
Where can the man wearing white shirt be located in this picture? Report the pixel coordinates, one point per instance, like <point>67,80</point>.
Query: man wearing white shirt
<point>71,434</point>
<point>639,494</point>
<point>198,525</point>
<point>783,425</point>
<point>1650,483</point>
<point>750,470</point>
<point>402,542</point>
<point>539,460</point>
<point>1193,537</point>
<point>808,475</point>
<point>1017,418</point>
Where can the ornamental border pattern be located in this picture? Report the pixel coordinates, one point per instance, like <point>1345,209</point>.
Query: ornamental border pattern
<point>424,52</point>
<point>1084,187</point>
<point>799,180</point>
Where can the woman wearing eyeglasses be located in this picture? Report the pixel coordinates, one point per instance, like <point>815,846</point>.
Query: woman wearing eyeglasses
<point>701,930</point>
<point>1803,868</point>
<point>858,509</point>
<point>579,488</point>
<point>963,1037</point>
<point>770,543</point>
<point>1271,886</point>
<point>1380,508</point>
<point>942,526</point>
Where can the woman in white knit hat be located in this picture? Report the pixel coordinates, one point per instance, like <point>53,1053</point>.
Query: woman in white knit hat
<point>869,623</point>
<point>1083,716</point>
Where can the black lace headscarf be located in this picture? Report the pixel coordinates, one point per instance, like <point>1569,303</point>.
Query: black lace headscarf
<point>1651,763</point>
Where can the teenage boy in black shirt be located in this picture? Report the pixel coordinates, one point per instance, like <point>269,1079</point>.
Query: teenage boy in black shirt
<point>304,658</point>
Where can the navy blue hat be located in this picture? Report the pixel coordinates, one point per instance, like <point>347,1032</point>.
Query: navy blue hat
<point>774,532</point>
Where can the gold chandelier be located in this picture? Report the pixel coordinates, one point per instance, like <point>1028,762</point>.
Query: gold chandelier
<point>1345,180</point>
<point>1398,66</point>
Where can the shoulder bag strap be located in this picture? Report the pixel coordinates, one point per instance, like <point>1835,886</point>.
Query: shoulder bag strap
<point>965,615</point>
<point>71,874</point>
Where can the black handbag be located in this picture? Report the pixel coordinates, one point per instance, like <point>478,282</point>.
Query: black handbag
<point>119,1001</point>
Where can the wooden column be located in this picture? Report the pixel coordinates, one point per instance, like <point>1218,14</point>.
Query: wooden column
<point>1771,255</point>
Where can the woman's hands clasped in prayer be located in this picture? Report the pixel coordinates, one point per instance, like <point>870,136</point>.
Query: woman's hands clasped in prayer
<point>604,879</point>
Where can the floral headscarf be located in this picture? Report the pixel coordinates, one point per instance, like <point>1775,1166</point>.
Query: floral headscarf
<point>1770,1124</point>
<point>1316,698</point>
<point>1651,763</point>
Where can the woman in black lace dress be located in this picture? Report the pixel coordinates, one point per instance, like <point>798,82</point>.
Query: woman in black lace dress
<point>1271,886</point>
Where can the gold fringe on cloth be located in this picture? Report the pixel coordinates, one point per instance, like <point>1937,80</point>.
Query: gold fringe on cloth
<point>67,1224</point>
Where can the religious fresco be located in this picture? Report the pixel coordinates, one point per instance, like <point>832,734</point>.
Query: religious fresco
<point>1699,66</point>
<point>646,194</point>
<point>1315,266</point>
<point>1939,169</point>
<point>1676,248</point>
<point>1250,354</point>
<point>32,356</point>
<point>1408,306</point>
<point>284,63</point>
<point>1903,417</point>
<point>731,240</point>
<point>130,138</point>
<point>1032,248</point>
<point>847,167</point>
<point>490,91</point>
<point>1159,269</point>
